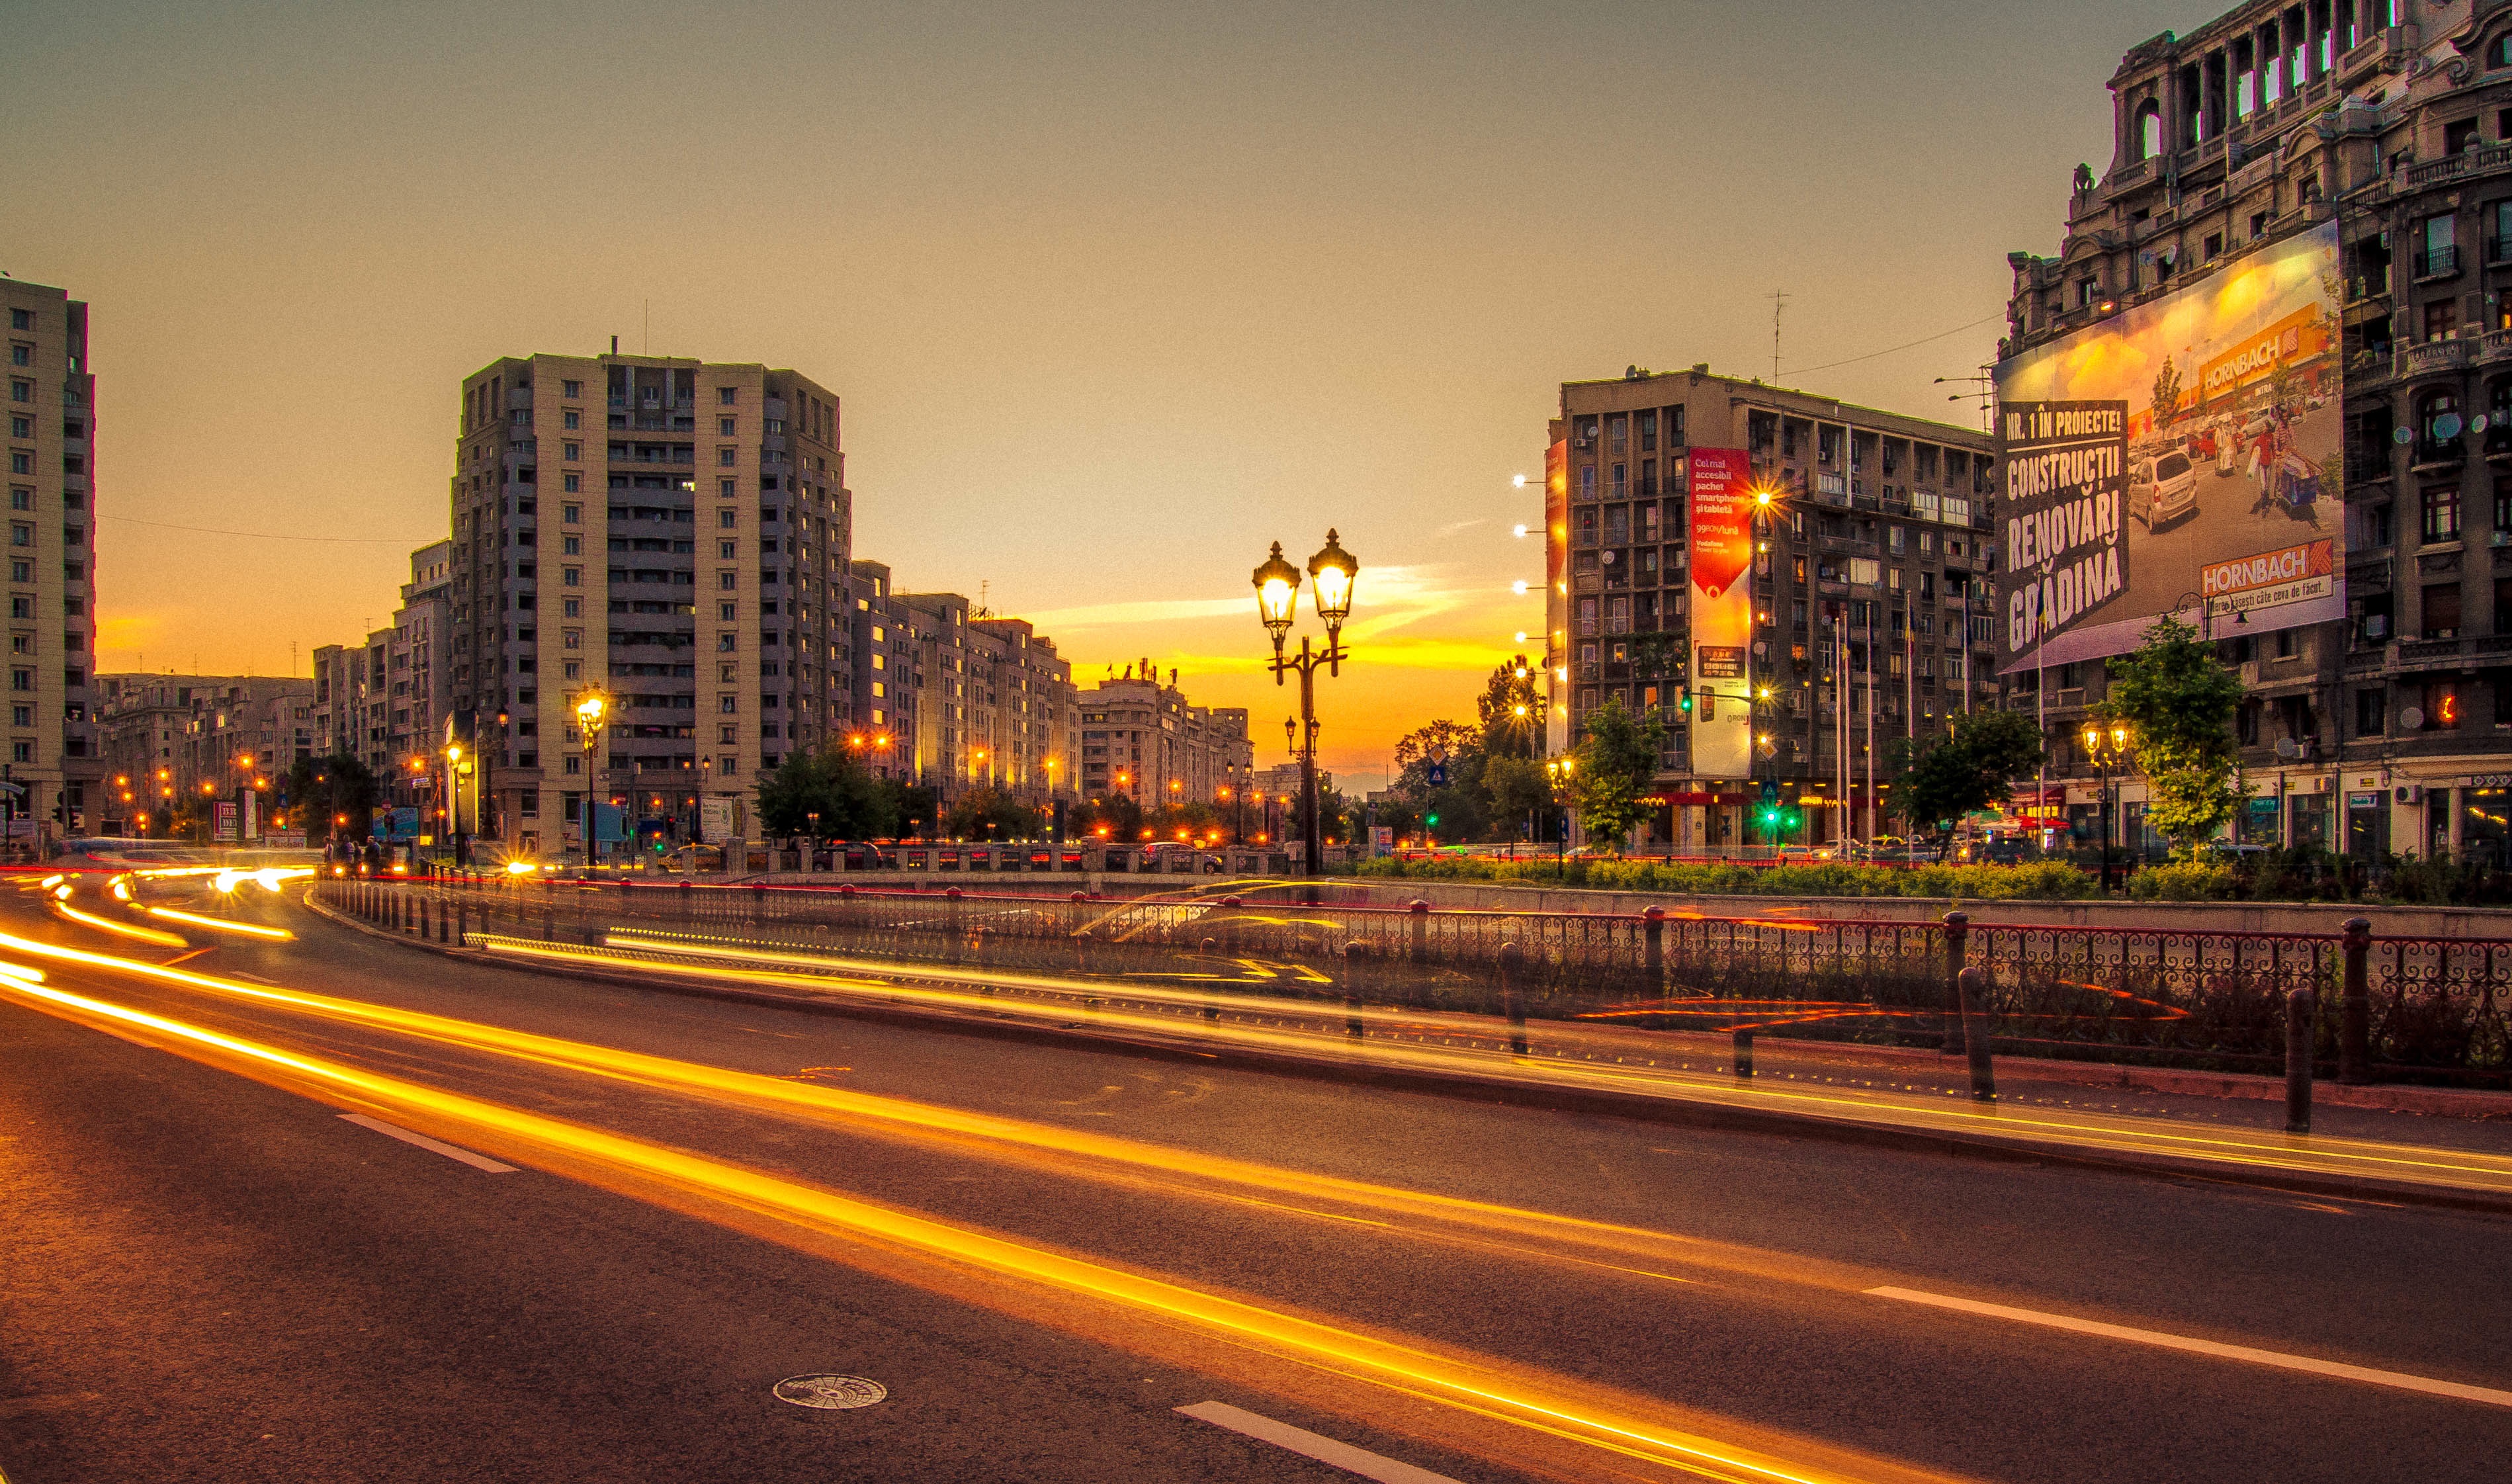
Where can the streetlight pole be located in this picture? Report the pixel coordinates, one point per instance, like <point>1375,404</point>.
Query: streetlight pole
<point>589,709</point>
<point>1278,595</point>
<point>2106,749</point>
<point>1559,771</point>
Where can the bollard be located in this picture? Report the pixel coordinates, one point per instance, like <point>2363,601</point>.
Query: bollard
<point>1744,1053</point>
<point>463,924</point>
<point>2297,1062</point>
<point>1212,1008</point>
<point>1421,915</point>
<point>1957,934</point>
<point>549,924</point>
<point>444,922</point>
<point>957,914</point>
<point>2355,1007</point>
<point>1971,987</point>
<point>1512,999</point>
<point>1354,953</point>
<point>1653,945</point>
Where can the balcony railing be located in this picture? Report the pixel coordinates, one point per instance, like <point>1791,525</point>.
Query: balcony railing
<point>2434,356</point>
<point>2437,262</point>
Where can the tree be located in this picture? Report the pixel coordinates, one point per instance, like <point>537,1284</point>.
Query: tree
<point>1942,778</point>
<point>1520,793</point>
<point>1511,710</point>
<point>1447,741</point>
<point>850,802</point>
<point>1117,819</point>
<point>2177,701</point>
<point>322,790</point>
<point>987,814</point>
<point>1617,757</point>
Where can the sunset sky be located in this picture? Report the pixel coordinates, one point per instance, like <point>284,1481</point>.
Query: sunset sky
<point>1115,295</point>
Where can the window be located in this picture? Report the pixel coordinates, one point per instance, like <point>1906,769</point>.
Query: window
<point>2148,130</point>
<point>21,391</point>
<point>570,514</point>
<point>574,420</point>
<point>22,534</point>
<point>573,546</point>
<point>575,450</point>
<point>571,389</point>
<point>726,520</point>
<point>2437,246</point>
<point>724,488</point>
<point>726,396</point>
<point>572,577</point>
<point>2369,709</point>
<point>2441,706</point>
<point>2214,245</point>
<point>21,354</point>
<point>571,483</point>
<point>21,499</point>
<point>726,426</point>
<point>724,458</point>
<point>2459,137</point>
<point>2442,611</point>
<point>22,751</point>
<point>21,679</point>
<point>2441,513</point>
<point>21,319</point>
<point>20,461</point>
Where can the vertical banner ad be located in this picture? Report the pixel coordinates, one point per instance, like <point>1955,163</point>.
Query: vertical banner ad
<point>1720,514</point>
<point>2220,490</point>
<point>1556,593</point>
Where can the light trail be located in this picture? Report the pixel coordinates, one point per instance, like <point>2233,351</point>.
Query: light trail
<point>2310,1154</point>
<point>1482,1387</point>
<point>131,931</point>
<point>224,924</point>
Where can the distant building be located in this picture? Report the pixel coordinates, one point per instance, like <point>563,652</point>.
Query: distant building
<point>169,737</point>
<point>1142,739</point>
<point>52,749</point>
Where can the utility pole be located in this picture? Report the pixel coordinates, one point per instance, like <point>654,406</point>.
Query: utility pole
<point>1778,301</point>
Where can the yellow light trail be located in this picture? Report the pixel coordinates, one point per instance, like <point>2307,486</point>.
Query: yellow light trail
<point>130,930</point>
<point>224,924</point>
<point>1475,1385</point>
<point>2307,1153</point>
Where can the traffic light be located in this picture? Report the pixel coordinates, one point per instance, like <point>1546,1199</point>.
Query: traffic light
<point>1683,698</point>
<point>1432,820</point>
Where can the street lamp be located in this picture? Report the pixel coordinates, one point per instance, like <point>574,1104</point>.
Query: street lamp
<point>589,710</point>
<point>1559,772</point>
<point>2107,750</point>
<point>1332,572</point>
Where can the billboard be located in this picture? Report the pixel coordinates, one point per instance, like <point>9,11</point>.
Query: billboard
<point>1720,512</point>
<point>2178,457</point>
<point>1557,592</point>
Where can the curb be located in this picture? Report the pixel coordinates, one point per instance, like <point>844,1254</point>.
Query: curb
<point>1471,1086</point>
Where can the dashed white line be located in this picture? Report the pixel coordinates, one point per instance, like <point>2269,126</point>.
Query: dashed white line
<point>255,978</point>
<point>2397,1379</point>
<point>432,1146</point>
<point>1313,1445</point>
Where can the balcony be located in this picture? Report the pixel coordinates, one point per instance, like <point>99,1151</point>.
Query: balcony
<point>2434,356</point>
<point>2466,164</point>
<point>2437,264</point>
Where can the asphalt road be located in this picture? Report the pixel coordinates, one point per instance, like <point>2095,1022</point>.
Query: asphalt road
<point>207,1275</point>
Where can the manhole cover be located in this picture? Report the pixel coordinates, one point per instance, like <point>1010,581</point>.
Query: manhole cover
<point>830,1392</point>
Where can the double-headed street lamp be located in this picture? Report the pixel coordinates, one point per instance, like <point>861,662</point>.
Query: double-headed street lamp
<point>589,711</point>
<point>2106,749</point>
<point>1561,773</point>
<point>1277,602</point>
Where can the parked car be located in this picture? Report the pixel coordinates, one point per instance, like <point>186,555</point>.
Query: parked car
<point>2163,489</point>
<point>695,860</point>
<point>1806,855</point>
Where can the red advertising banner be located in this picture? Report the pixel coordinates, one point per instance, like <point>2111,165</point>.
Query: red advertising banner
<point>1720,513</point>
<point>1557,590</point>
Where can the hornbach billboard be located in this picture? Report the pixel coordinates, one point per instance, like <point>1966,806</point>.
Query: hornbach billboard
<point>2180,457</point>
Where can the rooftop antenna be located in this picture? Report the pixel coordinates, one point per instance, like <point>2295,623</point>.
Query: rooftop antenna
<point>649,327</point>
<point>1778,301</point>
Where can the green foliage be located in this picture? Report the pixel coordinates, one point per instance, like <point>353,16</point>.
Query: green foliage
<point>2041,880</point>
<point>1617,757</point>
<point>1512,691</point>
<point>1943,777</point>
<point>2191,881</point>
<point>1519,791</point>
<point>1116,819</point>
<point>989,814</point>
<point>2177,700</point>
<point>852,803</point>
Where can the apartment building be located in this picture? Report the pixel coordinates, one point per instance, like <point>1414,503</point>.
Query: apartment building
<point>692,562</point>
<point>1869,616</point>
<point>1027,725</point>
<point>184,737</point>
<point>2388,127</point>
<point>52,749</point>
<point>1142,738</point>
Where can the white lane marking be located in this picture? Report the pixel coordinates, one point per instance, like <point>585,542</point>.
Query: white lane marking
<point>255,978</point>
<point>391,1131</point>
<point>1311,1445</point>
<point>2398,1379</point>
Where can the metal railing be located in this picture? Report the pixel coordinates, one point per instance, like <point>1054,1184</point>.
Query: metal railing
<point>2429,1008</point>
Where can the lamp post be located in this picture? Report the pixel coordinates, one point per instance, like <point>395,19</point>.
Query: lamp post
<point>1560,771</point>
<point>2107,750</point>
<point>1277,602</point>
<point>456,767</point>
<point>589,710</point>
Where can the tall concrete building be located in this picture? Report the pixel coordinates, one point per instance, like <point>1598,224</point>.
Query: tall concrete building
<point>53,750</point>
<point>170,739</point>
<point>1870,572</point>
<point>2388,728</point>
<point>676,532</point>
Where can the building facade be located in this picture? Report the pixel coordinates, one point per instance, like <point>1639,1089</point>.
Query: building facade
<point>171,740</point>
<point>676,532</point>
<point>1143,739</point>
<point>2391,729</point>
<point>1870,613</point>
<point>53,753</point>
